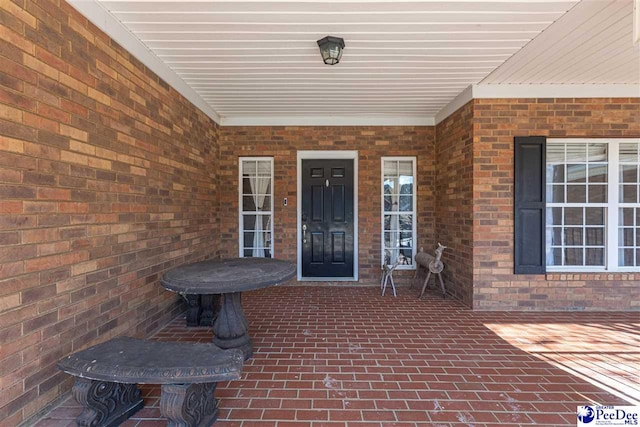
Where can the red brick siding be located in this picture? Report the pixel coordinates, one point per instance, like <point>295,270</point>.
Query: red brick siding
<point>454,200</point>
<point>107,179</point>
<point>496,123</point>
<point>282,143</point>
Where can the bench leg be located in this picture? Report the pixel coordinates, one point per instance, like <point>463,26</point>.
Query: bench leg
<point>104,403</point>
<point>189,405</point>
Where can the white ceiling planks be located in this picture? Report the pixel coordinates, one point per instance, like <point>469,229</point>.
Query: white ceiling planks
<point>258,62</point>
<point>404,58</point>
<point>590,45</point>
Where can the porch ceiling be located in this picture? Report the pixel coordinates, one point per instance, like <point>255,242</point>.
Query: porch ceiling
<point>249,60</point>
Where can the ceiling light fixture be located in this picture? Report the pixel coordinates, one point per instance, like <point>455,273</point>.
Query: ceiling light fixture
<point>331,49</point>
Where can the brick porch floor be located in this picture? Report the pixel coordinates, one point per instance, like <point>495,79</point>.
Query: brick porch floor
<point>345,356</point>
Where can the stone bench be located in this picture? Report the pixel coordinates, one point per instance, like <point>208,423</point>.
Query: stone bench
<point>107,376</point>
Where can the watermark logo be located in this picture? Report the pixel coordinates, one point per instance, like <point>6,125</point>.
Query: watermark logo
<point>586,414</point>
<point>590,416</point>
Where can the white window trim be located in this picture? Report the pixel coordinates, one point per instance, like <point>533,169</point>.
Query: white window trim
<point>414,227</point>
<point>611,219</point>
<point>241,212</point>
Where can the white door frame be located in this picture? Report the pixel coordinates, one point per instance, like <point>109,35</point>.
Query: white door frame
<point>329,154</point>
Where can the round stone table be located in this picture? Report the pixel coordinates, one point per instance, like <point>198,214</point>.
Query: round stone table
<point>229,278</point>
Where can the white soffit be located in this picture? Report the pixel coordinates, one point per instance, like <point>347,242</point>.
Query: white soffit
<point>592,44</point>
<point>406,62</point>
<point>257,62</point>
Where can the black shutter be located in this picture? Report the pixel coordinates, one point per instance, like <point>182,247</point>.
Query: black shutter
<point>530,182</point>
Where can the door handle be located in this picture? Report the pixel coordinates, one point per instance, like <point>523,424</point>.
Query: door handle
<point>304,233</point>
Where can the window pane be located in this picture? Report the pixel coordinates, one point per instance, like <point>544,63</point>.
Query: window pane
<point>576,173</point>
<point>626,217</point>
<point>554,216</point>
<point>406,257</point>
<point>597,193</point>
<point>626,236</point>
<point>573,236</point>
<point>557,194</point>
<point>391,222</point>
<point>597,173</point>
<point>406,222</point>
<point>629,173</point>
<point>626,257</point>
<point>406,240</point>
<point>248,203</point>
<point>390,168</point>
<point>556,257</point>
<point>388,203</point>
<point>576,153</point>
<point>264,168</point>
<point>555,152</point>
<point>555,173</point>
<point>406,184</point>
<point>248,168</point>
<point>594,256</point>
<point>573,256</point>
<point>629,194</point>
<point>576,193</point>
<point>406,203</point>
<point>390,186</point>
<point>594,216</point>
<point>573,216</point>
<point>594,236</point>
<point>556,236</point>
<point>628,152</point>
<point>405,168</point>
<point>597,152</point>
<point>249,222</point>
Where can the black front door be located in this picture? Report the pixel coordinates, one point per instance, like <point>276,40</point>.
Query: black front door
<point>327,218</point>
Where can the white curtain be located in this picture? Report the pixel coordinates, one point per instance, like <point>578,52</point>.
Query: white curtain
<point>259,186</point>
<point>394,235</point>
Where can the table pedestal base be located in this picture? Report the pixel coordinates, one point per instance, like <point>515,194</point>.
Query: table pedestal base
<point>231,329</point>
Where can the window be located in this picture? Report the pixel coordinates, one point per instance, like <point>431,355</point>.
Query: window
<point>593,205</point>
<point>256,207</point>
<point>629,205</point>
<point>399,210</point>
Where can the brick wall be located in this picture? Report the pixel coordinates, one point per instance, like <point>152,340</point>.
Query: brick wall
<point>282,143</point>
<point>107,179</point>
<point>496,123</point>
<point>454,200</point>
